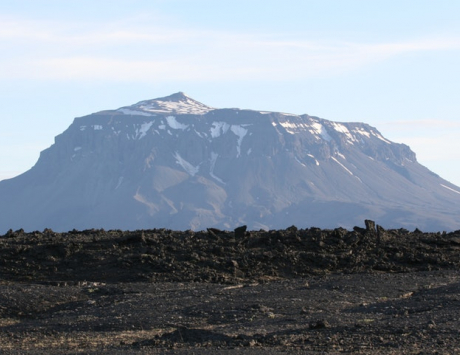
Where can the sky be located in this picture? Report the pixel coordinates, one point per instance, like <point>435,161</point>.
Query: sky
<point>392,64</point>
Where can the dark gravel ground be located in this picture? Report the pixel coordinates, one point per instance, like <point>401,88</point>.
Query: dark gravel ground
<point>312,291</point>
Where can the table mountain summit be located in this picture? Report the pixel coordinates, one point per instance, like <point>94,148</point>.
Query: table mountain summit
<point>176,163</point>
<point>178,103</point>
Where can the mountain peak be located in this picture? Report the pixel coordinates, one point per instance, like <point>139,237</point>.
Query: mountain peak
<point>177,97</point>
<point>178,103</point>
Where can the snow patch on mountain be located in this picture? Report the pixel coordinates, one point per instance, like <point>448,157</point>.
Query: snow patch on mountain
<point>362,132</point>
<point>219,128</point>
<point>344,130</point>
<point>127,111</point>
<point>174,124</point>
<point>240,132</point>
<point>319,129</point>
<point>189,168</point>
<point>143,129</point>
<point>214,157</point>
<point>293,128</point>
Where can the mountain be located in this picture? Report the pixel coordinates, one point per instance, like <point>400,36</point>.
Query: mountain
<point>174,162</point>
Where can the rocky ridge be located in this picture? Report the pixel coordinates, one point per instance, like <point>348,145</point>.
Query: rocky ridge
<point>297,291</point>
<point>221,256</point>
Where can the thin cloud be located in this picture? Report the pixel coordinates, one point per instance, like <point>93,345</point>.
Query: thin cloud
<point>88,34</point>
<point>433,148</point>
<point>422,124</point>
<point>142,52</point>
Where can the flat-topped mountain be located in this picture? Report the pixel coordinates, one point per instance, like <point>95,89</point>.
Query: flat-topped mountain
<point>174,162</point>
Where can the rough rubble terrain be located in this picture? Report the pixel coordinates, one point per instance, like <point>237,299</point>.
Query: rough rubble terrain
<point>158,291</point>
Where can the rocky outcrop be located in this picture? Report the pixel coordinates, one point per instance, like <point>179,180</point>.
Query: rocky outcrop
<point>221,256</point>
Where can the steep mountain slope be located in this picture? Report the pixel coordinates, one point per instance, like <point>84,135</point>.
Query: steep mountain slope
<point>174,162</point>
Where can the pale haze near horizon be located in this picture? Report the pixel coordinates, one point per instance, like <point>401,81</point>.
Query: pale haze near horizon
<point>391,64</point>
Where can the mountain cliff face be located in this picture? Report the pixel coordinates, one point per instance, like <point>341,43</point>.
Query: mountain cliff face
<point>174,162</point>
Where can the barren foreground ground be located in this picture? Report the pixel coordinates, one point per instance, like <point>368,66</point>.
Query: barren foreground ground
<point>294,291</point>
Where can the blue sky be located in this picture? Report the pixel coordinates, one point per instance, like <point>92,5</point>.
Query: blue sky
<point>391,64</point>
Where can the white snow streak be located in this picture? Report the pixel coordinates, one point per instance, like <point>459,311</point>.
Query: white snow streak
<point>448,188</point>
<point>362,131</point>
<point>213,164</point>
<point>343,166</point>
<point>120,180</point>
<point>189,168</point>
<point>240,132</point>
<point>380,137</point>
<point>298,161</point>
<point>219,128</point>
<point>293,128</point>
<point>340,128</point>
<point>128,111</point>
<point>313,157</point>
